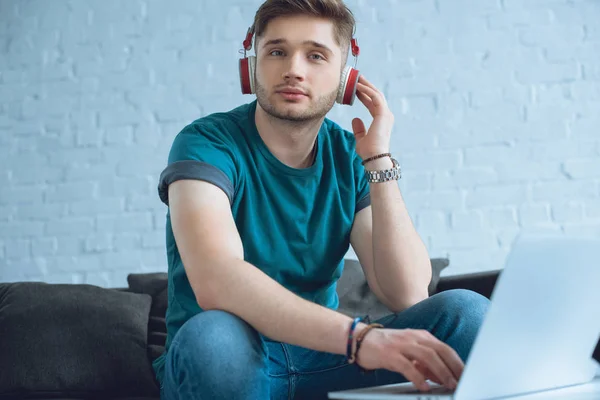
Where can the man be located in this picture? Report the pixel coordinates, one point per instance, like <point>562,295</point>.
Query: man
<point>264,201</point>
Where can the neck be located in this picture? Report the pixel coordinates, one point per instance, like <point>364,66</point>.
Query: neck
<point>291,142</point>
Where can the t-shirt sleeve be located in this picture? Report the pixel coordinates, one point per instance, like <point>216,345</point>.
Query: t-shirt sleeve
<point>202,154</point>
<point>363,196</point>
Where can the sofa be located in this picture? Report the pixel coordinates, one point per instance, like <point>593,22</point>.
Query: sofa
<point>80,341</point>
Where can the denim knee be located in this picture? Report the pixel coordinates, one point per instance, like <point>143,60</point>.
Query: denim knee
<point>462,311</point>
<point>216,352</point>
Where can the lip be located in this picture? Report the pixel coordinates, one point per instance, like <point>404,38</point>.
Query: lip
<point>292,91</point>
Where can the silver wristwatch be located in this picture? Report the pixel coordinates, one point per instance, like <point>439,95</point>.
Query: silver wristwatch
<point>393,173</point>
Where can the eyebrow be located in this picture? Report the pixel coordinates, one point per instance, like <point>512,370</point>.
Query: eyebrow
<point>306,42</point>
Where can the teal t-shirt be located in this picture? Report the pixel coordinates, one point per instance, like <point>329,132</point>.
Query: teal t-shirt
<point>294,223</point>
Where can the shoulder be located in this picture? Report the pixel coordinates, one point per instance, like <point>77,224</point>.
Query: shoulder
<point>341,139</point>
<point>222,126</point>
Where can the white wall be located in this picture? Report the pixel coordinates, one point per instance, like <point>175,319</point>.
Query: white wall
<point>496,101</point>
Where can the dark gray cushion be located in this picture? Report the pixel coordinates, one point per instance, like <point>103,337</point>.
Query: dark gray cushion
<point>356,298</point>
<point>73,341</point>
<point>155,285</point>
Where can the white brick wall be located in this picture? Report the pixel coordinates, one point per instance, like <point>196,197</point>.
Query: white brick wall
<point>496,104</point>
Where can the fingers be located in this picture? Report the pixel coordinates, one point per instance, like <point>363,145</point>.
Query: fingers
<point>427,373</point>
<point>430,359</point>
<point>358,127</point>
<point>373,95</point>
<point>447,354</point>
<point>410,372</point>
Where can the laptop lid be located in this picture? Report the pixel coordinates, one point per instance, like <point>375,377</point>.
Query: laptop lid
<point>543,322</point>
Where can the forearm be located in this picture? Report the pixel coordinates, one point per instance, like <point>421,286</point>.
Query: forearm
<point>401,262</point>
<point>243,290</point>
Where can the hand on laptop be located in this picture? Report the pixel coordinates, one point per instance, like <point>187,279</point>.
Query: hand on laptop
<point>416,354</point>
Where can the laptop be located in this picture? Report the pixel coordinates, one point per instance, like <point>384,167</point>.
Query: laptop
<point>540,329</point>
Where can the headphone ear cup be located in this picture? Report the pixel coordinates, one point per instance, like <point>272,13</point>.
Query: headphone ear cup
<point>347,88</point>
<point>247,66</point>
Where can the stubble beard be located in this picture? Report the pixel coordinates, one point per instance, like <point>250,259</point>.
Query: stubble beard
<point>317,109</point>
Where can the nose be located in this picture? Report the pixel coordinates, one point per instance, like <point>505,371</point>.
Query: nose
<point>294,69</point>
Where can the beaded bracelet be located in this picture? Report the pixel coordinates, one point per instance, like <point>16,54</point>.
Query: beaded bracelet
<point>351,357</point>
<point>376,157</point>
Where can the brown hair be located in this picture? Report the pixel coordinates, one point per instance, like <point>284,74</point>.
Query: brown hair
<point>334,10</point>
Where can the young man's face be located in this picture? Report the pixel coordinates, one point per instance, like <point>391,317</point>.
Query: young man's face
<point>298,68</point>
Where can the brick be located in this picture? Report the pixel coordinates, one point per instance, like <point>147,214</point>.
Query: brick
<point>100,279</point>
<point>564,191</point>
<point>413,181</point>
<point>70,226</point>
<point>567,212</point>
<point>118,260</point>
<point>144,203</point>
<point>127,241</point>
<point>548,73</point>
<point>591,72</point>
<point>130,222</point>
<point>7,212</point>
<point>432,222</point>
<point>106,205</point>
<point>496,195</point>
<point>159,220</point>
<point>592,210</point>
<point>90,138</point>
<point>98,243</point>
<point>560,150</point>
<point>121,135</point>
<point>63,278</point>
<point>583,168</point>
<point>26,176</point>
<point>471,220</point>
<point>440,200</point>
<point>21,229</point>
<point>431,161</point>
<point>589,229</point>
<point>484,156</point>
<point>543,35</point>
<point>70,192</point>
<point>466,178</point>
<point>41,212</point>
<point>121,187</point>
<point>534,215</point>
<point>547,96</point>
<point>153,240</point>
<point>18,249</point>
<point>76,157</point>
<point>21,268</point>
<point>464,261</point>
<point>527,171</point>
<point>560,52</point>
<point>42,247</point>
<point>74,264</point>
<point>500,217</point>
<point>70,244</point>
<point>584,91</point>
<point>22,195</point>
<point>466,239</point>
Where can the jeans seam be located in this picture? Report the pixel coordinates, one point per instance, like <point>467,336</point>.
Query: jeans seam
<point>322,370</point>
<point>291,383</point>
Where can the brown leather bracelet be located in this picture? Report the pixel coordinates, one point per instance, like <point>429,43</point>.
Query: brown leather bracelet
<point>361,337</point>
<point>376,157</point>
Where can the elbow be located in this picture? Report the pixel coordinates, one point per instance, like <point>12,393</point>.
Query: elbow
<point>407,300</point>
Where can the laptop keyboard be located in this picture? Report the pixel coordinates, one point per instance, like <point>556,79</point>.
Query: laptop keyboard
<point>434,390</point>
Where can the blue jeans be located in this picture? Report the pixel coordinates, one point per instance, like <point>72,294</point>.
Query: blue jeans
<point>216,355</point>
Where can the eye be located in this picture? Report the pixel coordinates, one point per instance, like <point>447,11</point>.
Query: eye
<point>276,53</point>
<point>318,57</point>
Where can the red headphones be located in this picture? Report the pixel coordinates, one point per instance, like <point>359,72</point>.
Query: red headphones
<point>346,91</point>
